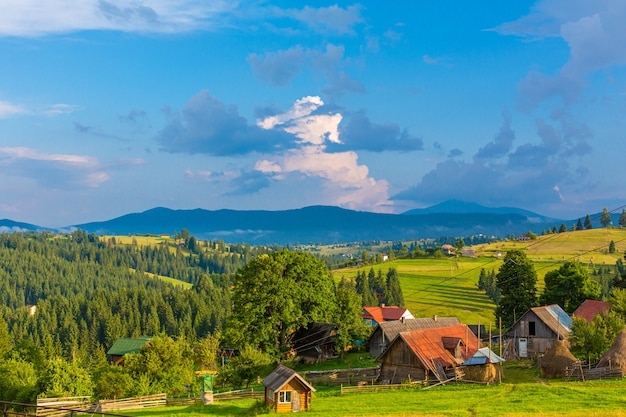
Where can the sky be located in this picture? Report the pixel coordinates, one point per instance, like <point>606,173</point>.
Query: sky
<point>109,107</point>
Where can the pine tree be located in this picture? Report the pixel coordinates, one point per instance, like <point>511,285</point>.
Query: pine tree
<point>517,282</point>
<point>605,219</point>
<point>588,225</point>
<point>393,293</point>
<point>579,225</point>
<point>622,219</point>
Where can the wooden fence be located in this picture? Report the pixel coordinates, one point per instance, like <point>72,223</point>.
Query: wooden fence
<point>343,376</point>
<point>583,373</point>
<point>238,394</point>
<point>346,389</point>
<point>136,403</point>
<point>57,407</point>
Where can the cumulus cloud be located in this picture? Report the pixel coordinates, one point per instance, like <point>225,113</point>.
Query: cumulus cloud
<point>360,133</point>
<point>280,67</point>
<point>596,36</point>
<point>57,171</point>
<point>208,126</point>
<point>502,143</point>
<point>31,18</point>
<point>501,174</point>
<point>331,19</point>
<point>346,182</point>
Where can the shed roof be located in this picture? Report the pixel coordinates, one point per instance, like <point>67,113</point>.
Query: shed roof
<point>591,308</point>
<point>123,346</point>
<point>483,356</point>
<point>281,376</point>
<point>429,346</point>
<point>555,318</point>
<point>392,328</point>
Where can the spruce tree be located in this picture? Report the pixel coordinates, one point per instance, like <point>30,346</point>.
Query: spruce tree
<point>393,293</point>
<point>517,282</point>
<point>588,224</point>
<point>622,219</point>
<point>579,225</point>
<point>605,219</point>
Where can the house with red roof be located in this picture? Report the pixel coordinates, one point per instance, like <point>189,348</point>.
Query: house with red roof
<point>431,354</point>
<point>591,308</point>
<point>379,314</point>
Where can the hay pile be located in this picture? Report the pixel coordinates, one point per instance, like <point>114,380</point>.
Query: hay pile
<point>615,357</point>
<point>490,373</point>
<point>556,360</point>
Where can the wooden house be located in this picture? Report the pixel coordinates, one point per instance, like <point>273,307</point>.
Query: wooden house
<point>286,391</point>
<point>386,331</point>
<point>591,308</point>
<point>427,354</point>
<point>123,346</point>
<point>537,330</point>
<point>373,315</point>
<point>316,342</point>
<point>447,249</point>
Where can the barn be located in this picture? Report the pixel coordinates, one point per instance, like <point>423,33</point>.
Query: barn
<point>286,391</point>
<point>427,354</point>
<point>536,331</point>
<point>385,332</point>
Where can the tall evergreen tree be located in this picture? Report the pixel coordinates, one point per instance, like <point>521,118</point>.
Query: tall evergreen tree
<point>579,225</point>
<point>393,293</point>
<point>622,219</point>
<point>517,282</point>
<point>605,218</point>
<point>588,225</point>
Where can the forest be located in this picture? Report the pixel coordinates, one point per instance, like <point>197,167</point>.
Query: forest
<point>66,298</point>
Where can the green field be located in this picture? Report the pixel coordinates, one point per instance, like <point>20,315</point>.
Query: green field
<point>448,286</point>
<point>523,393</point>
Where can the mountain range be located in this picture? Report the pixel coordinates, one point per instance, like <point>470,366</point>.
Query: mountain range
<point>320,224</point>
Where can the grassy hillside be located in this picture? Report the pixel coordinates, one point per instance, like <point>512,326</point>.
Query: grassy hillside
<point>448,286</point>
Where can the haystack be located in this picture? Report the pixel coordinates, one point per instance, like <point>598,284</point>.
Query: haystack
<point>615,357</point>
<point>556,360</point>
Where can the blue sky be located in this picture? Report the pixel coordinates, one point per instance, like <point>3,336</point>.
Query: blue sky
<point>109,107</point>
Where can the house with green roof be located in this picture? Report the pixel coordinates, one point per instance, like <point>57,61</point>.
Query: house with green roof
<point>125,345</point>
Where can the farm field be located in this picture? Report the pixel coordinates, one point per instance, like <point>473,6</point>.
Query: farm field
<point>448,286</point>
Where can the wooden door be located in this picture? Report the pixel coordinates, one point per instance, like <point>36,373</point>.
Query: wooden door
<point>296,402</point>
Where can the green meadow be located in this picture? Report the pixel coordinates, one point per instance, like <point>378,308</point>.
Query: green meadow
<point>448,286</point>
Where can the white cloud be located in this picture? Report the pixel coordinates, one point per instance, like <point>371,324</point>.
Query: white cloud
<point>298,121</point>
<point>53,170</point>
<point>346,183</point>
<point>59,109</point>
<point>9,109</point>
<point>31,18</point>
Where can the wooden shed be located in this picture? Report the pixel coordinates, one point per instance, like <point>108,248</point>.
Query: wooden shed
<point>537,330</point>
<point>125,345</point>
<point>385,332</point>
<point>427,354</point>
<point>286,391</point>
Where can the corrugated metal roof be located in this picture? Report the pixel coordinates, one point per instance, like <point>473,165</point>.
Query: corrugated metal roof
<point>123,346</point>
<point>281,376</point>
<point>483,356</point>
<point>428,344</point>
<point>392,328</point>
<point>385,313</point>
<point>555,318</point>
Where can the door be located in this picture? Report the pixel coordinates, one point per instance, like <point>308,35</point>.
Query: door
<point>523,347</point>
<point>295,401</point>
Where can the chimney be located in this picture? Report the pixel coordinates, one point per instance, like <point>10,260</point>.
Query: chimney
<point>382,305</point>
<point>402,319</point>
<point>435,317</point>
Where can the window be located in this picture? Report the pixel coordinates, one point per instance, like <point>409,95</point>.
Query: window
<point>284,397</point>
<point>531,328</point>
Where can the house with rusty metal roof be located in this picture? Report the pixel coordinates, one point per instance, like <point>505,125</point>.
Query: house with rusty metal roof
<point>386,331</point>
<point>536,331</point>
<point>431,354</point>
<point>591,308</point>
<point>373,315</point>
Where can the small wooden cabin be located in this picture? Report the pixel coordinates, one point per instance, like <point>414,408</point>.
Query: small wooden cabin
<point>286,391</point>
<point>125,345</point>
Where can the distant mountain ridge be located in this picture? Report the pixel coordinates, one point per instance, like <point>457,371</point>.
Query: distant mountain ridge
<point>315,224</point>
<point>322,224</point>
